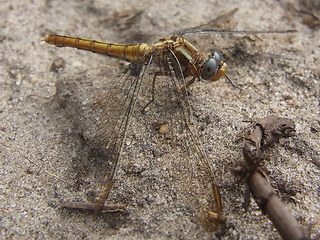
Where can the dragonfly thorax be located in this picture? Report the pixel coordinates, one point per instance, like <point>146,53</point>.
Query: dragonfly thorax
<point>214,67</point>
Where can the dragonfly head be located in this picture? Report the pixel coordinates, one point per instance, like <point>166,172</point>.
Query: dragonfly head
<point>214,67</point>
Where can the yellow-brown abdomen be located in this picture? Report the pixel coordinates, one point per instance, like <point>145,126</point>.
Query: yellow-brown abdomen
<point>126,52</point>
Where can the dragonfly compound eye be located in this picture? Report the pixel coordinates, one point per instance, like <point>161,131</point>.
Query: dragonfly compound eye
<point>217,55</point>
<point>210,69</point>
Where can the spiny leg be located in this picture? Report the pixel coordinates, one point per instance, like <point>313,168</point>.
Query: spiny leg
<point>191,81</point>
<point>153,91</point>
<point>157,74</point>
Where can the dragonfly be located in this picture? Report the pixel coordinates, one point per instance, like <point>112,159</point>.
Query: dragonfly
<point>167,68</point>
<point>176,60</point>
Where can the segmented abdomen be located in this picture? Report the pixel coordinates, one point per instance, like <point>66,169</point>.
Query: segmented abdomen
<point>126,52</point>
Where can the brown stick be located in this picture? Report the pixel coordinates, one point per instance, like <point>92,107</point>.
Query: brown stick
<point>270,203</point>
<point>267,131</point>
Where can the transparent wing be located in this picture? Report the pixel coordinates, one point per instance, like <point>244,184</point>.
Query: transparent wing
<point>196,173</point>
<point>225,24</point>
<point>219,24</point>
<point>121,132</point>
<point>100,107</point>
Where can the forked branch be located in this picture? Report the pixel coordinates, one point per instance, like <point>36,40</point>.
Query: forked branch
<point>267,131</point>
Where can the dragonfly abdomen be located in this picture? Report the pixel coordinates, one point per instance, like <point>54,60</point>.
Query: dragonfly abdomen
<point>126,52</point>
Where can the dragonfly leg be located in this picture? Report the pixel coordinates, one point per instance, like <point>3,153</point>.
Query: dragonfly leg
<point>191,81</point>
<point>185,88</point>
<point>153,91</point>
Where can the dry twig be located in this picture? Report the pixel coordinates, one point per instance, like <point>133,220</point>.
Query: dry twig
<point>267,131</point>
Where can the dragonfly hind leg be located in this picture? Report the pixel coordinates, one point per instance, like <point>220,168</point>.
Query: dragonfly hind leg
<point>157,74</point>
<point>143,110</point>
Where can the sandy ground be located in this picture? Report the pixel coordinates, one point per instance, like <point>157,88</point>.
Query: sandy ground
<point>45,159</point>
